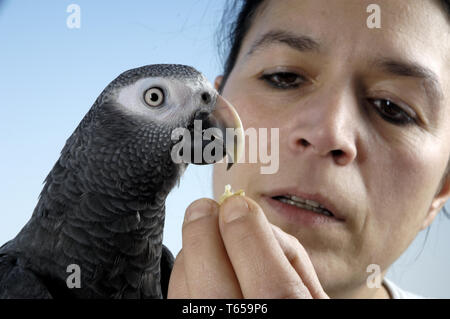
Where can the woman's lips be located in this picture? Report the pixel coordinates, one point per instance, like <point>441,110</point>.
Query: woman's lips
<point>300,215</point>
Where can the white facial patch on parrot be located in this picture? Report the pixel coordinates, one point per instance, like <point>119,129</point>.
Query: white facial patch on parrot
<point>181,99</point>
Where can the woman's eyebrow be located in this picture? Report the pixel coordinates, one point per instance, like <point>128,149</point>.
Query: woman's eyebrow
<point>298,42</point>
<point>411,69</point>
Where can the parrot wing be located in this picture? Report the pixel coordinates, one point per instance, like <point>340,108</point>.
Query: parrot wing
<point>167,261</point>
<point>17,282</point>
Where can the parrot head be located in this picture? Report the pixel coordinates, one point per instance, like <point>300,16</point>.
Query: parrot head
<point>151,122</point>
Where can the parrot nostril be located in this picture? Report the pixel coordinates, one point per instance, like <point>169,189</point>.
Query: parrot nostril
<point>206,97</point>
<point>201,115</point>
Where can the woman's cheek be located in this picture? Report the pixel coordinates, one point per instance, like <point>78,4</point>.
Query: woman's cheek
<point>405,182</point>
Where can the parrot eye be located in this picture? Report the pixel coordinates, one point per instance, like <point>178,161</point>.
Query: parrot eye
<point>154,96</point>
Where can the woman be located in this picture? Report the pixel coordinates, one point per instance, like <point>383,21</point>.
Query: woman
<point>363,116</point>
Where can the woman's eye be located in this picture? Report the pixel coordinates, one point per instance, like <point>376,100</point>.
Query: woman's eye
<point>391,112</point>
<point>283,80</point>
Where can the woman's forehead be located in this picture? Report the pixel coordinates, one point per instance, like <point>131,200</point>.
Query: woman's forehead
<point>412,24</point>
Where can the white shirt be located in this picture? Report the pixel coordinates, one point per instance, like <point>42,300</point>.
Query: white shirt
<point>398,293</point>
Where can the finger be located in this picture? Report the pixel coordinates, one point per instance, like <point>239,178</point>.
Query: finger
<point>299,259</point>
<point>259,262</point>
<point>209,273</point>
<point>177,284</point>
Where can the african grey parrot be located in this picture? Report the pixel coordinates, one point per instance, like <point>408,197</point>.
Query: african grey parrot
<point>103,204</point>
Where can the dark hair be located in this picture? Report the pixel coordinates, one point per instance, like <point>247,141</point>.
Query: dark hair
<point>446,4</point>
<point>237,20</point>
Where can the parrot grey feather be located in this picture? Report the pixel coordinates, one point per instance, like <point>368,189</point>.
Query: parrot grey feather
<point>103,203</point>
<point>10,273</point>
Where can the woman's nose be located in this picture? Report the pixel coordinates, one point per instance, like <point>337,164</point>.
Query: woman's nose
<point>326,128</point>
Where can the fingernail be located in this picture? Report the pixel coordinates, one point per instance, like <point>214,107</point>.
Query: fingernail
<point>235,208</point>
<point>198,209</point>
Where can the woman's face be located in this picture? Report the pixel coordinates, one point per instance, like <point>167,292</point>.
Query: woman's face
<point>363,117</point>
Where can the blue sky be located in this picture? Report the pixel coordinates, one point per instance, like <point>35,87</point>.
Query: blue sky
<point>50,75</point>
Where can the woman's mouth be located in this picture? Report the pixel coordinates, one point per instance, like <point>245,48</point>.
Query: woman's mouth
<point>303,209</point>
<point>304,203</point>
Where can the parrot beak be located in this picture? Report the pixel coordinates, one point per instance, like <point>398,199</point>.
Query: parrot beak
<point>225,130</point>
<point>228,118</point>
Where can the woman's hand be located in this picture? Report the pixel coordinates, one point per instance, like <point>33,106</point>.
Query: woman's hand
<point>232,251</point>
